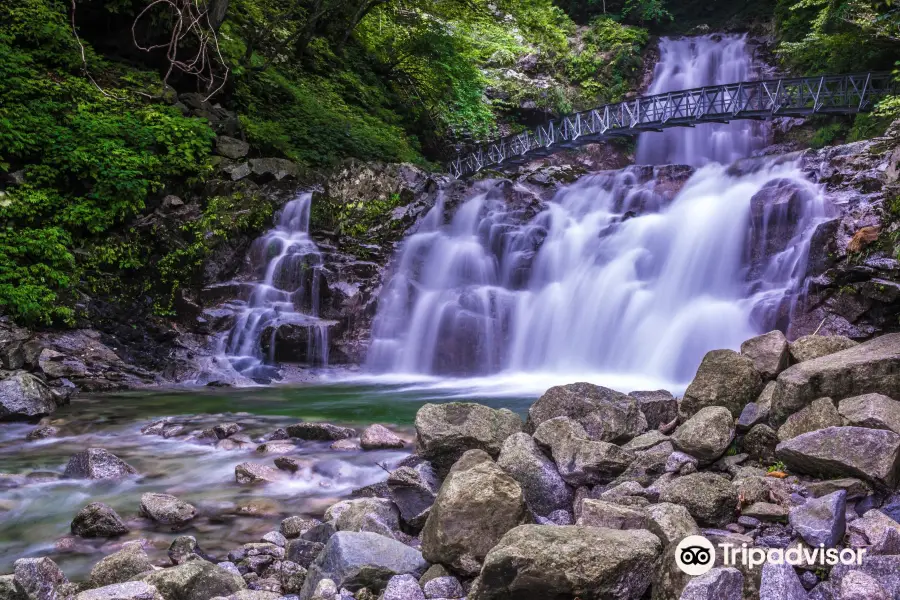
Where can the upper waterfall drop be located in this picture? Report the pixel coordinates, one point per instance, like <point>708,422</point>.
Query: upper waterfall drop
<point>693,62</point>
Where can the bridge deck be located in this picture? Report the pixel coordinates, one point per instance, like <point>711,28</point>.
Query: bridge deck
<point>765,99</point>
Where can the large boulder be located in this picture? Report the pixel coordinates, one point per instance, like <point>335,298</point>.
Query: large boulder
<point>600,513</point>
<point>870,454</point>
<point>884,569</point>
<point>857,585</point>
<point>658,406</point>
<point>760,443</point>
<point>820,414</point>
<point>876,411</point>
<point>579,460</point>
<point>98,520</point>
<point>707,434</point>
<point>354,560</point>
<point>757,412</point>
<point>876,532</point>
<point>871,367</point>
<point>543,562</point>
<point>769,353</point>
<point>166,509</point>
<point>194,580</point>
<point>25,397</point>
<point>821,520</point>
<point>38,578</point>
<point>249,473</point>
<point>376,515</point>
<point>724,378</point>
<point>780,582</point>
<point>131,590</point>
<point>97,463</point>
<point>379,437</point>
<point>721,583</point>
<point>478,503</point>
<point>414,489</point>
<point>124,565</point>
<point>445,431</point>
<point>605,414</point>
<point>709,498</point>
<point>810,347</point>
<point>671,523</point>
<point>545,490</point>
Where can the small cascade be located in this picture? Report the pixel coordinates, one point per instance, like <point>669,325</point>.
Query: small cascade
<point>693,62</point>
<point>284,300</point>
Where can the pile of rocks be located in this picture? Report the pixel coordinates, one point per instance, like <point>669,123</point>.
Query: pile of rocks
<point>781,445</point>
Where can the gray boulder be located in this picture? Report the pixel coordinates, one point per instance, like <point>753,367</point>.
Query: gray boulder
<point>884,569</point>
<point>658,406</point>
<point>249,473</point>
<point>721,583</point>
<point>38,578</point>
<point>277,168</point>
<point>119,567</point>
<point>820,414</point>
<point>769,353</point>
<point>8,589</point>
<point>445,431</point>
<point>780,582</point>
<point>760,443</point>
<point>230,147</point>
<point>131,590</point>
<point>166,509</point>
<point>320,432</point>
<point>403,587</point>
<point>98,520</point>
<point>875,411</point>
<point>477,504</point>
<point>544,489</point>
<point>413,490</point>
<point>810,347</point>
<point>376,515</point>
<point>379,437</point>
<point>757,412</point>
<point>354,560</point>
<point>876,532</point>
<point>443,587</point>
<point>645,441</point>
<point>821,520</point>
<point>194,580</point>
<point>25,397</point>
<point>856,585</point>
<point>707,434</point>
<point>870,367</point>
<point>600,513</point>
<point>579,460</point>
<point>671,523</point>
<point>855,488</point>
<point>870,454</point>
<point>539,562</point>
<point>185,548</point>
<point>605,414</point>
<point>709,498</point>
<point>97,463</point>
<point>724,378</point>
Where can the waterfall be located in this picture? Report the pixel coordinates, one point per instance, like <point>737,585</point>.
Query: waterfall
<point>284,300</point>
<point>693,62</point>
<point>639,271</point>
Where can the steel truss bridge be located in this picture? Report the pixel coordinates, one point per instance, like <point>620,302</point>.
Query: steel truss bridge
<point>760,100</point>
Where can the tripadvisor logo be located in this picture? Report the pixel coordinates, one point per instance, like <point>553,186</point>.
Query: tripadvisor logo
<point>696,555</point>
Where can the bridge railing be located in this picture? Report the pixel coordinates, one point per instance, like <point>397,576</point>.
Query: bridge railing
<point>763,99</point>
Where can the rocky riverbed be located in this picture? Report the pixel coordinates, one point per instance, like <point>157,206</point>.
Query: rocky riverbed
<point>779,445</point>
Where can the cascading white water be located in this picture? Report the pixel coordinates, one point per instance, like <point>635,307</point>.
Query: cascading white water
<point>614,275</point>
<point>287,263</point>
<point>693,62</point>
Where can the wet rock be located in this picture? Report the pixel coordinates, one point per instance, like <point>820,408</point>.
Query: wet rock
<point>24,397</point>
<point>276,447</point>
<point>606,415</point>
<point>477,504</point>
<point>378,437</point>
<point>248,473</point>
<point>760,443</point>
<point>119,567</point>
<point>870,454</point>
<point>303,552</point>
<point>166,509</point>
<point>345,446</point>
<point>41,433</point>
<point>97,463</point>
<point>230,147</point>
<point>8,589</point>
<point>291,465</point>
<point>821,520</point>
<point>707,434</point>
<point>599,513</point>
<point>810,347</point>
<point>870,367</point>
<point>320,432</point>
<point>875,411</point>
<point>194,580</point>
<point>38,578</point>
<point>293,527</point>
<point>820,414</point>
<point>277,168</point>
<point>537,562</point>
<point>413,490</point>
<point>780,582</point>
<point>185,548</point>
<point>98,520</point>
<point>376,515</point>
<point>131,590</point>
<point>544,489</point>
<point>722,583</point>
<point>769,353</point>
<point>671,523</point>
<point>724,378</point>
<point>659,407</point>
<point>445,431</point>
<point>225,430</point>
<point>355,560</point>
<point>857,585</point>
<point>709,498</point>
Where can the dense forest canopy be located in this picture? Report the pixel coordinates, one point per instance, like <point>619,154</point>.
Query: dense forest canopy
<point>91,133</point>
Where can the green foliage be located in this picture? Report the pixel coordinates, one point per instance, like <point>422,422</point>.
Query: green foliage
<point>647,11</point>
<point>608,63</point>
<point>827,135</point>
